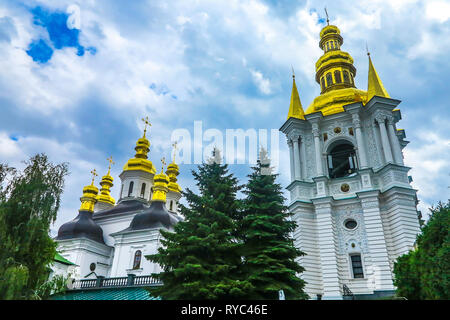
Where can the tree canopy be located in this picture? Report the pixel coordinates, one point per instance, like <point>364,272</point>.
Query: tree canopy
<point>424,273</point>
<point>29,202</point>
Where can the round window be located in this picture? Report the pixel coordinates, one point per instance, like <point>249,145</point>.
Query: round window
<point>92,266</point>
<point>350,224</point>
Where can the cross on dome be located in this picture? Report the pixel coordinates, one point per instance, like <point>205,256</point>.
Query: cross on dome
<point>111,162</point>
<point>147,122</point>
<point>94,174</point>
<point>174,145</point>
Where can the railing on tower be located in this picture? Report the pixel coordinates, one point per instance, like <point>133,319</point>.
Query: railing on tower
<point>130,281</point>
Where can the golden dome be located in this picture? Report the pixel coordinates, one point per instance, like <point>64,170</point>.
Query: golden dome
<point>140,161</point>
<point>160,185</point>
<point>173,171</point>
<point>335,74</point>
<point>89,197</point>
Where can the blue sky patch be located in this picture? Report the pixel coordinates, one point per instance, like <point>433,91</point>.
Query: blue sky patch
<point>59,34</point>
<point>40,51</point>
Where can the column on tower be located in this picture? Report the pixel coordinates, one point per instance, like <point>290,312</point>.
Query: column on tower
<point>381,120</point>
<point>379,269</point>
<point>326,232</point>
<point>315,131</point>
<point>359,140</point>
<point>291,157</point>
<point>303,157</point>
<point>394,141</point>
<point>296,141</point>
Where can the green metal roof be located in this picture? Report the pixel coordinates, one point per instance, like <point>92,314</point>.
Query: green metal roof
<point>63,260</point>
<point>130,293</point>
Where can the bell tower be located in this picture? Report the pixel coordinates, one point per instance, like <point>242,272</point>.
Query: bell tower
<point>350,191</point>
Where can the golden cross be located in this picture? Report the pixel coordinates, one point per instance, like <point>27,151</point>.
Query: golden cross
<point>146,123</point>
<point>94,174</point>
<point>293,73</point>
<point>163,161</point>
<point>110,160</point>
<point>174,145</point>
<point>367,49</point>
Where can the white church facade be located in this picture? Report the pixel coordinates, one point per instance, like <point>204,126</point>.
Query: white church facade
<point>350,191</point>
<point>110,240</point>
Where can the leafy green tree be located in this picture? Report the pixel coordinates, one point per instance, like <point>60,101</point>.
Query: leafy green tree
<point>200,259</point>
<point>424,273</point>
<point>265,229</point>
<point>29,202</point>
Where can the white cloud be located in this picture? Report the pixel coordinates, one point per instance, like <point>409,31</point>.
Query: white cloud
<point>438,10</point>
<point>430,165</point>
<point>262,83</point>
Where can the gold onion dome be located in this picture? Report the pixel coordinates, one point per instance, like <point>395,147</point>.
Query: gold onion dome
<point>89,197</point>
<point>106,184</point>
<point>83,226</point>
<point>140,160</point>
<point>335,74</point>
<point>160,185</point>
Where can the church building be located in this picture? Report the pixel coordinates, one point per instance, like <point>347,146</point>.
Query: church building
<point>350,190</point>
<point>109,240</point>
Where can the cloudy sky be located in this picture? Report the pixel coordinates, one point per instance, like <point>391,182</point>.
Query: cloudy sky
<point>78,75</point>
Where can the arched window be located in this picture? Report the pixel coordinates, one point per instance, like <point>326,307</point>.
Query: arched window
<point>171,205</point>
<point>357,267</point>
<point>346,77</point>
<point>328,46</point>
<point>322,83</point>
<point>329,79</point>
<point>121,191</point>
<point>130,189</point>
<point>137,259</point>
<point>142,190</point>
<point>337,76</point>
<point>341,161</point>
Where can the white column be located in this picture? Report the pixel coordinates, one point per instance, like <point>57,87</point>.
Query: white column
<point>291,157</point>
<point>359,141</point>
<point>380,270</point>
<point>398,157</point>
<point>303,157</point>
<point>384,138</point>
<point>327,251</point>
<point>318,149</point>
<point>296,157</point>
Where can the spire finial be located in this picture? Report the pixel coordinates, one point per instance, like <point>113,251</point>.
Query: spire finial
<point>174,145</point>
<point>146,123</point>
<point>111,162</point>
<point>328,20</point>
<point>94,174</point>
<point>163,163</point>
<point>293,72</point>
<point>367,49</point>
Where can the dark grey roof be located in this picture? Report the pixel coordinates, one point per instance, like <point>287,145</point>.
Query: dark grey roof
<point>81,227</point>
<point>156,216</point>
<point>131,205</point>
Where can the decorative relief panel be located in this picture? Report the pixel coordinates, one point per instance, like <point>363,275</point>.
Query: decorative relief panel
<point>310,157</point>
<point>345,235</point>
<point>372,149</point>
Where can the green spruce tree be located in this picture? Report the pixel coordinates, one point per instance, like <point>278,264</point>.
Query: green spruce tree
<point>29,201</point>
<point>200,259</point>
<point>267,246</point>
